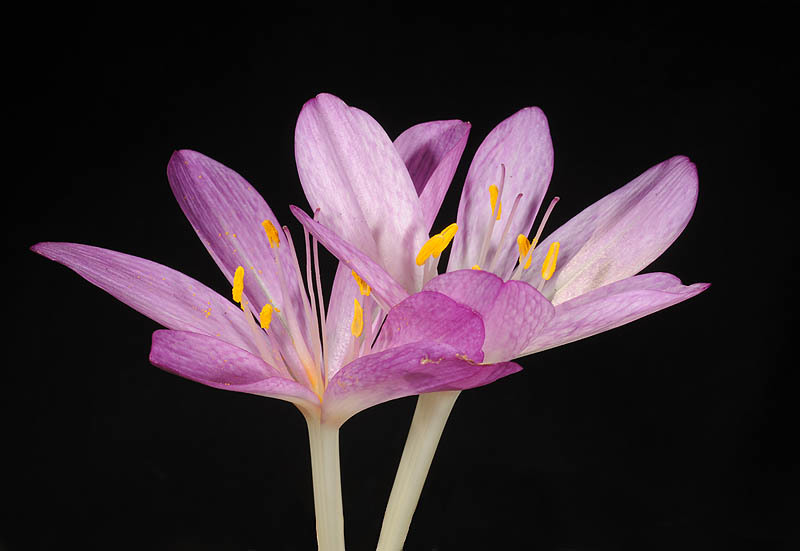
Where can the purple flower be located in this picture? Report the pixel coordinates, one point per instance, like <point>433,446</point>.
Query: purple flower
<point>276,338</point>
<point>376,202</point>
<point>329,372</point>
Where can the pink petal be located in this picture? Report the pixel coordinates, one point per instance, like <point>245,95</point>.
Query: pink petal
<point>431,152</point>
<point>622,233</point>
<point>388,291</point>
<point>429,316</point>
<point>218,364</point>
<point>513,312</point>
<point>339,316</point>
<point>164,295</point>
<point>406,370</point>
<point>611,306</point>
<point>227,214</point>
<point>522,144</point>
<point>351,172</point>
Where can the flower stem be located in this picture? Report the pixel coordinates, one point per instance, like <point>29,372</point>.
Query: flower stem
<point>323,440</point>
<point>426,429</point>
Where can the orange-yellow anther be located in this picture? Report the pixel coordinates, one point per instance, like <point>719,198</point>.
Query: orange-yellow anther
<point>549,265</point>
<point>476,267</point>
<point>358,319</point>
<point>436,244</point>
<point>363,286</point>
<point>524,247</point>
<point>238,284</point>
<point>496,207</point>
<point>272,234</point>
<point>265,317</point>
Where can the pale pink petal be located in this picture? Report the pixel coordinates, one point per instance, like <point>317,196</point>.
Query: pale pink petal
<point>611,306</point>
<point>620,234</point>
<point>166,296</point>
<point>339,316</point>
<point>350,170</point>
<point>415,368</point>
<point>522,144</point>
<point>430,316</point>
<point>513,312</point>
<point>215,363</point>
<point>388,291</point>
<point>431,152</point>
<point>227,214</point>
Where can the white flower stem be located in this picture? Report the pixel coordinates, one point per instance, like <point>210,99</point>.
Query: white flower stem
<point>426,429</point>
<point>324,443</point>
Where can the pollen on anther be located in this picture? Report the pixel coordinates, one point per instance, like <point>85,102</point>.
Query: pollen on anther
<point>238,284</point>
<point>272,234</point>
<point>549,265</point>
<point>265,317</point>
<point>524,247</point>
<point>363,286</point>
<point>496,207</point>
<point>358,319</point>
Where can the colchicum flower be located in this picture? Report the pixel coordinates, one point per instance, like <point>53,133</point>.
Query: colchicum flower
<point>276,338</point>
<point>376,202</point>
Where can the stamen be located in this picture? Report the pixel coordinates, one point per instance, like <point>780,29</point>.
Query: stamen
<point>475,267</point>
<point>323,331</point>
<point>265,317</point>
<point>527,257</point>
<point>436,244</point>
<point>549,265</point>
<point>495,197</point>
<point>238,284</point>
<point>496,207</point>
<point>524,246</point>
<point>358,319</point>
<point>447,235</point>
<point>496,255</point>
<point>363,286</point>
<point>272,234</point>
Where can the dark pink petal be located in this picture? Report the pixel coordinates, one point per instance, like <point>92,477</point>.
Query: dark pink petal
<point>513,312</point>
<point>431,152</point>
<point>522,144</point>
<point>415,368</point>
<point>221,365</point>
<point>227,214</point>
<point>429,316</point>
<point>351,171</point>
<point>611,306</point>
<point>384,287</point>
<point>620,234</point>
<point>164,295</point>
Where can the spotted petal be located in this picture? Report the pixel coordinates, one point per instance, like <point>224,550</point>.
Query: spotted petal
<point>611,306</point>
<point>513,312</point>
<point>221,365</point>
<point>166,296</point>
<point>522,144</point>
<point>414,368</point>
<point>351,171</point>
<point>431,152</point>
<point>622,233</point>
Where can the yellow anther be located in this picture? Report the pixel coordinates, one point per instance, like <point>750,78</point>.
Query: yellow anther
<point>363,286</point>
<point>549,265</point>
<point>272,234</point>
<point>524,247</point>
<point>265,317</point>
<point>436,244</point>
<point>238,284</point>
<point>493,192</point>
<point>358,319</point>
<point>476,267</point>
<point>447,235</point>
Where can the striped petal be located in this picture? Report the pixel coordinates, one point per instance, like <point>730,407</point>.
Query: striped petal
<point>622,233</point>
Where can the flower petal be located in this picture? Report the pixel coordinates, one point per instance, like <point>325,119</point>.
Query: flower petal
<point>164,295</point>
<point>611,306</point>
<point>522,144</point>
<point>350,170</point>
<point>221,365</point>
<point>388,291</point>
<point>431,152</point>
<point>622,233</point>
<point>430,316</point>
<point>513,312</point>
<point>227,214</point>
<point>415,368</point>
<point>339,316</point>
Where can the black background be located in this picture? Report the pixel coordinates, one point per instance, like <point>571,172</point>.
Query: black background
<point>674,432</point>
